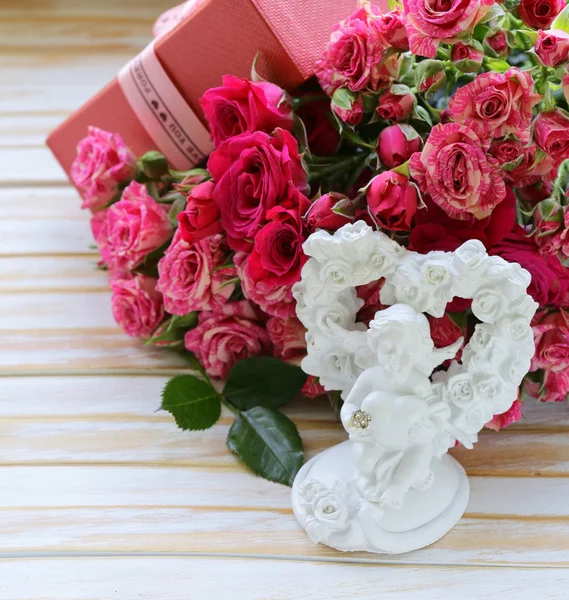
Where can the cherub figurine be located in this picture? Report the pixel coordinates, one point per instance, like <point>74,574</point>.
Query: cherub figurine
<point>391,413</point>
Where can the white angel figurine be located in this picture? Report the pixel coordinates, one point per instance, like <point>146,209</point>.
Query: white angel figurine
<point>391,413</point>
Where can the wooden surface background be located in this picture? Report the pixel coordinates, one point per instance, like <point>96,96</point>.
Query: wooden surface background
<point>100,496</point>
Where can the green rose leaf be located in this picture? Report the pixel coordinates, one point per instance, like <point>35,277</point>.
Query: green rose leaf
<point>193,403</point>
<point>562,20</point>
<point>263,381</point>
<point>268,443</point>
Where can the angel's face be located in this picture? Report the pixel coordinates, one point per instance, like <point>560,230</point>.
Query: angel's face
<point>396,348</point>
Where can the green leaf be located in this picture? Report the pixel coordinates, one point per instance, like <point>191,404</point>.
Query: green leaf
<point>562,20</point>
<point>263,381</point>
<point>173,330</point>
<point>193,403</point>
<point>423,114</point>
<point>268,443</point>
<point>496,64</point>
<point>403,169</point>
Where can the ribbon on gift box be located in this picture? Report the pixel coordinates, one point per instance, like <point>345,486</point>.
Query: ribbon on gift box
<point>161,109</point>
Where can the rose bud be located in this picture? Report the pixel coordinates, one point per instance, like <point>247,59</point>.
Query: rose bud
<point>392,201</point>
<point>548,219</point>
<point>348,106</point>
<point>392,29</point>
<point>552,47</point>
<point>396,144</point>
<point>551,133</point>
<point>153,165</point>
<point>201,217</point>
<point>540,14</point>
<point>396,103</point>
<point>330,211</point>
<point>467,58</point>
<point>430,76</point>
<point>498,44</point>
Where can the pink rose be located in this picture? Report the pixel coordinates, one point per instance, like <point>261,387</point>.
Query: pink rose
<point>254,173</point>
<point>554,386</point>
<point>287,337</point>
<point>191,276</point>
<point>513,414</point>
<point>565,234</point>
<point>277,256</point>
<point>392,201</point>
<point>240,106</point>
<point>351,115</point>
<point>551,133</point>
<point>134,226</point>
<point>391,27</point>
<point>275,300</point>
<point>429,24</point>
<point>552,47</point>
<point>331,211</point>
<point>356,55</point>
<point>137,306</point>
<point>396,144</point>
<point>500,103</point>
<point>498,43</point>
<point>103,162</point>
<point>396,103</point>
<point>456,171</point>
<point>467,58</point>
<point>528,167</point>
<point>549,279</point>
<point>200,218</point>
<point>220,341</point>
<point>322,137</point>
<point>540,14</point>
<point>551,336</point>
<point>312,388</point>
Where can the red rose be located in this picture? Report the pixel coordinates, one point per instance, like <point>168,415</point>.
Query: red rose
<point>396,103</point>
<point>551,133</point>
<point>540,13</point>
<point>277,257</point>
<point>396,144</point>
<point>200,218</point>
<point>312,388</point>
<point>322,137</point>
<point>392,201</point>
<point>254,173</point>
<point>435,230</point>
<point>240,106</point>
<point>549,222</point>
<point>330,211</point>
<point>552,47</point>
<point>554,387</point>
<point>549,279</point>
<point>445,332</point>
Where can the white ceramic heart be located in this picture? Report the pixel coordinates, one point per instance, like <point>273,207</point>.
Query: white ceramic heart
<point>392,488</point>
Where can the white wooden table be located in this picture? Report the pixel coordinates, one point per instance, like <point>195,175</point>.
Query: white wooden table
<point>101,497</point>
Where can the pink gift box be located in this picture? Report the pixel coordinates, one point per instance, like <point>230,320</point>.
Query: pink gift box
<point>216,37</point>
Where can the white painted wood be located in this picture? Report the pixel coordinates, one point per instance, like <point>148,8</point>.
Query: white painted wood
<point>24,166</point>
<point>51,310</point>
<point>31,203</point>
<point>200,578</point>
<point>37,274</point>
<point>29,131</point>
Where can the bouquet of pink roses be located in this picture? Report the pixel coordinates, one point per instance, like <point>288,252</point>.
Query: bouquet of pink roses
<point>435,124</point>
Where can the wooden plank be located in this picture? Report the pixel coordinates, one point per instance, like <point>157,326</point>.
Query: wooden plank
<point>113,398</point>
<point>266,532</point>
<point>122,486</point>
<point>52,310</point>
<point>32,203</point>
<point>69,351</point>
<point>170,578</point>
<point>44,273</point>
<point>55,82</point>
<point>25,131</point>
<point>29,166</point>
